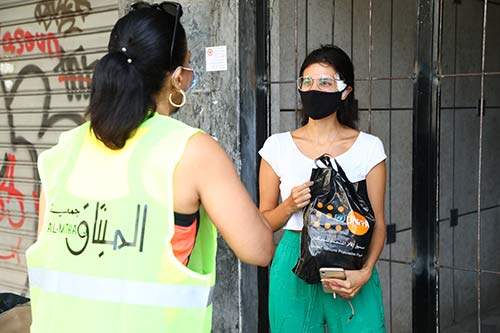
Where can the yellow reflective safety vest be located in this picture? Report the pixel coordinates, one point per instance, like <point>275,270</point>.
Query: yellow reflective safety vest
<point>104,262</point>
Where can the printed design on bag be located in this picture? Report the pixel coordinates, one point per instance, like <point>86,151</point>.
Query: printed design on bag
<point>331,234</point>
<point>357,223</point>
<point>333,214</point>
<point>331,224</point>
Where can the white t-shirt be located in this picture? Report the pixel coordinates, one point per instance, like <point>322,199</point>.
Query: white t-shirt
<point>294,168</point>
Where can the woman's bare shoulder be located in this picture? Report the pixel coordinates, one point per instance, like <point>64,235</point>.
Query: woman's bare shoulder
<point>203,149</point>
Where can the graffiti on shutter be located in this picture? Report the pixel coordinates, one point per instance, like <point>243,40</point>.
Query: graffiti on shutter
<point>48,52</point>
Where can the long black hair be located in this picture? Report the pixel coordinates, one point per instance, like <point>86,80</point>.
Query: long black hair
<point>339,60</point>
<point>132,73</point>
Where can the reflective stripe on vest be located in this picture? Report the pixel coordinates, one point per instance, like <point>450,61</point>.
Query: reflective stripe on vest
<point>122,291</point>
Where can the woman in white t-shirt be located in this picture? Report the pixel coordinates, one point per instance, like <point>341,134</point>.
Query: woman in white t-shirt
<point>326,86</point>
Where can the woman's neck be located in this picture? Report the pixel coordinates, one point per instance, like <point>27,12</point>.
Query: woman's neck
<point>163,107</point>
<point>324,130</point>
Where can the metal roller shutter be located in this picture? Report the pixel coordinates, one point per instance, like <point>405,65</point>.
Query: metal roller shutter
<point>48,51</point>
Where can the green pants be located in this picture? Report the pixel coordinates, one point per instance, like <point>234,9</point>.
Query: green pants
<point>298,307</point>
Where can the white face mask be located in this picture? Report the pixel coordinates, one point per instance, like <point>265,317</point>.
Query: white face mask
<point>193,83</point>
<point>195,77</point>
<point>340,83</point>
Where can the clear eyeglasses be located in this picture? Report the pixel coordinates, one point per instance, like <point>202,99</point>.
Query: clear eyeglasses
<point>323,83</point>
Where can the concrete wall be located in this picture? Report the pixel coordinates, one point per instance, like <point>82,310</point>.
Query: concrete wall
<point>214,107</point>
<point>386,111</point>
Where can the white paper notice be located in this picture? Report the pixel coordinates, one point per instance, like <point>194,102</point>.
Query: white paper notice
<point>216,58</point>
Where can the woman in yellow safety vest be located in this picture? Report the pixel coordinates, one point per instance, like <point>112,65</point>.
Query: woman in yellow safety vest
<point>125,243</point>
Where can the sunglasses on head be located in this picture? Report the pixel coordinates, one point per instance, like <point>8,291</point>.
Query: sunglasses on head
<point>169,7</point>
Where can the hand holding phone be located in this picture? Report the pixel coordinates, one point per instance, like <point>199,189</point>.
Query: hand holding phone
<point>331,273</point>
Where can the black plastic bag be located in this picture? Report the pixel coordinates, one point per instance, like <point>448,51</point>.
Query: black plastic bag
<point>338,223</point>
<point>15,313</point>
<point>9,300</point>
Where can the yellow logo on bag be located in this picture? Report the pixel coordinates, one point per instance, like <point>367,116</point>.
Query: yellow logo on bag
<point>357,223</point>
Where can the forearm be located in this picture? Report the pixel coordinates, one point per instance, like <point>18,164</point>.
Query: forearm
<point>376,246</point>
<point>278,216</point>
<point>249,236</point>
<point>266,243</point>
<point>258,245</point>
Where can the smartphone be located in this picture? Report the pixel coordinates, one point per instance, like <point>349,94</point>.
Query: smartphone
<point>329,273</point>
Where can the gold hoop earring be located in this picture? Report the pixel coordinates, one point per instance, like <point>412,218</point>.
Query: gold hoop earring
<point>182,102</point>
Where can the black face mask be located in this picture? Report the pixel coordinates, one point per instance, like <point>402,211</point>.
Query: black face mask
<point>319,104</point>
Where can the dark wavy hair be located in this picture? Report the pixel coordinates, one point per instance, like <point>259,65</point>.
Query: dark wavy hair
<point>339,60</point>
<point>132,73</point>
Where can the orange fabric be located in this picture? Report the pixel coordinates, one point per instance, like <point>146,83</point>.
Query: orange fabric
<point>183,242</point>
